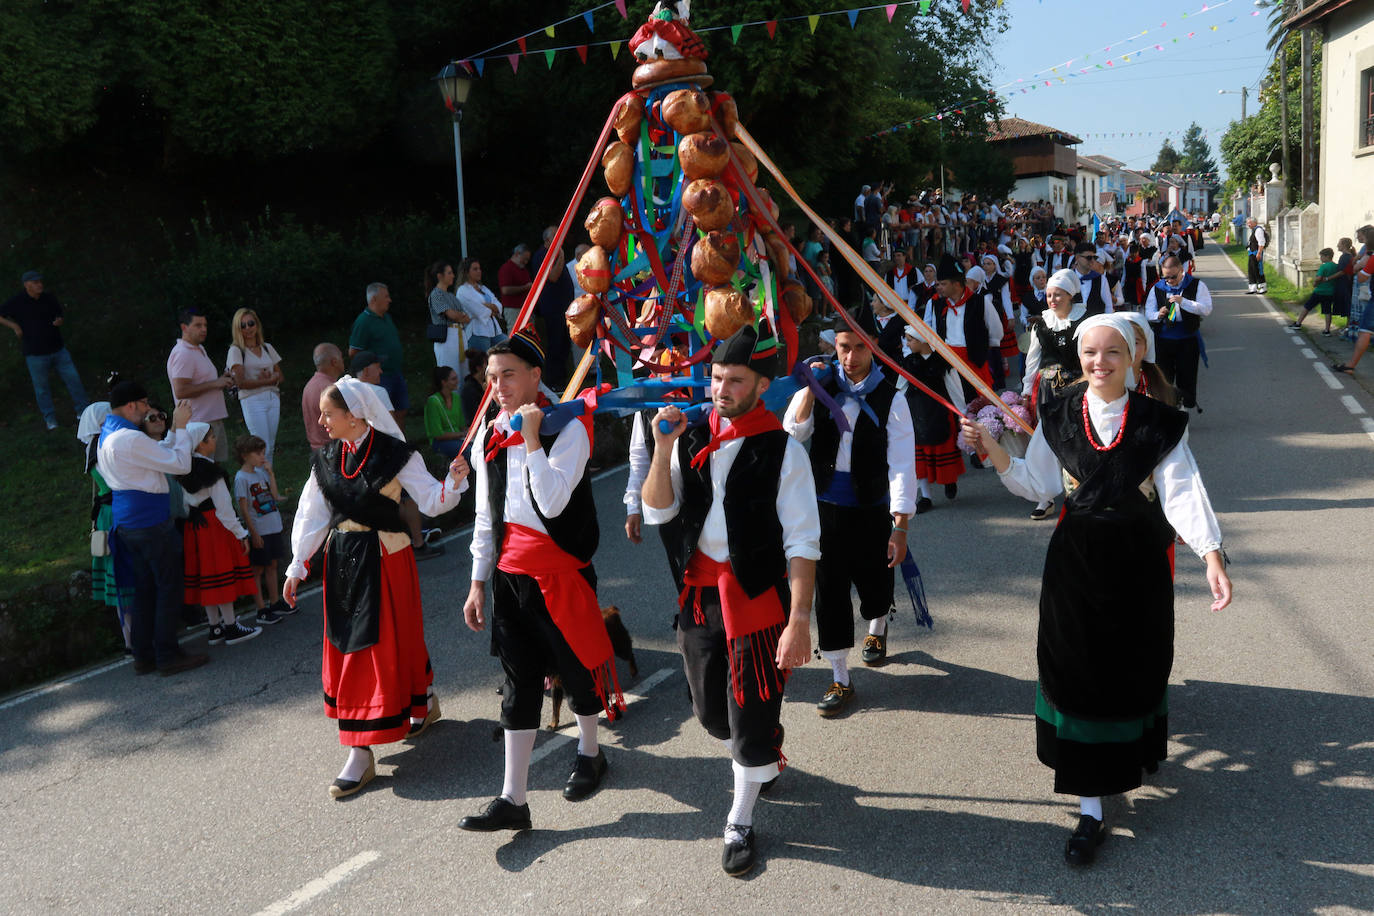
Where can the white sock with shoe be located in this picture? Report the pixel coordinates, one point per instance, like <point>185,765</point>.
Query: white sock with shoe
<point>839,664</point>
<point>359,758</point>
<point>519,748</point>
<point>587,744</point>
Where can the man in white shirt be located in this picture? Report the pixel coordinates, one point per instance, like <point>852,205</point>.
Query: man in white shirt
<point>864,464</point>
<point>751,537</point>
<point>1257,242</point>
<point>144,540</point>
<point>534,537</point>
<point>1176,305</point>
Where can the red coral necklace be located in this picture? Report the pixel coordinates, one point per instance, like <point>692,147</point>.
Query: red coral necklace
<point>343,455</point>
<point>1088,426</point>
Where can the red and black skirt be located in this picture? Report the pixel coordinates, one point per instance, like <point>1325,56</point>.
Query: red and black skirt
<point>215,569</point>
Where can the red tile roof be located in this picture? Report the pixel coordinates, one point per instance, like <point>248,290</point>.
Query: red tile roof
<point>1017,128</point>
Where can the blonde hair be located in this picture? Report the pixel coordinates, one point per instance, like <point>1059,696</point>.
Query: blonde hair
<point>237,332</point>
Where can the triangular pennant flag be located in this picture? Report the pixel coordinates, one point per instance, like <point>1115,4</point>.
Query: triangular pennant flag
<point>772,26</point>
<point>620,6</point>
<point>521,43</point>
<point>582,52</point>
<point>925,7</point>
<point>615,49</point>
<point>514,60</point>
<point>853,15</point>
<point>811,21</point>
<point>548,30</point>
<point>548,57</point>
<point>1125,57</point>
<point>481,64</point>
<point>587,18</point>
<point>965,6</point>
<point>891,11</point>
<point>1214,28</point>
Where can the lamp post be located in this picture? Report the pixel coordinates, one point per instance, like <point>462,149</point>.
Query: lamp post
<point>454,85</point>
<point>1243,92</point>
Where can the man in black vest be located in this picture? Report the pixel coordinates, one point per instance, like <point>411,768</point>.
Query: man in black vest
<point>1256,244</point>
<point>1178,303</point>
<point>750,538</point>
<point>534,537</point>
<point>1058,257</point>
<point>1097,295</point>
<point>864,461</point>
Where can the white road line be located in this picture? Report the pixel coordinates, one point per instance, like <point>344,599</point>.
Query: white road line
<point>1351,404</point>
<point>1368,425</point>
<point>1307,351</point>
<point>641,691</point>
<point>1298,339</point>
<point>1328,376</point>
<point>321,884</point>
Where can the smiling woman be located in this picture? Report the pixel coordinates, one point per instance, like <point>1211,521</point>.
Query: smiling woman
<point>1105,639</point>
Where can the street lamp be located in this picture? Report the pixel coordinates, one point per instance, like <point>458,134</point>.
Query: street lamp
<point>1243,92</point>
<point>454,86</point>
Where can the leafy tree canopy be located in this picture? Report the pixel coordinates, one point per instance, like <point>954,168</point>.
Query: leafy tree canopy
<point>1168,158</point>
<point>1249,146</point>
<point>1197,155</point>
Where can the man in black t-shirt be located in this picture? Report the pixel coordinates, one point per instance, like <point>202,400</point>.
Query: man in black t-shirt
<point>35,317</point>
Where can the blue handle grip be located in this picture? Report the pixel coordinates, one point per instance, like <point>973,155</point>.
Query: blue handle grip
<point>556,416</point>
<point>696,414</point>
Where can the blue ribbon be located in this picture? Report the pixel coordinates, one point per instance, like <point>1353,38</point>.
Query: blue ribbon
<point>915,588</point>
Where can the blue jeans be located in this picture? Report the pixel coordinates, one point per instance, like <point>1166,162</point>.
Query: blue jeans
<point>40,368</point>
<point>449,448</point>
<point>153,555</point>
<point>477,342</point>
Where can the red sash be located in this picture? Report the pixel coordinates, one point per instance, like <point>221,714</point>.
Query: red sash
<point>759,620</point>
<point>571,602</point>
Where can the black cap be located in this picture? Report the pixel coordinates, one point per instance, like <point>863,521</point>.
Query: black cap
<point>126,393</point>
<point>361,360</point>
<point>948,269</point>
<point>31,276</point>
<point>864,318</point>
<point>755,348</point>
<point>525,344</point>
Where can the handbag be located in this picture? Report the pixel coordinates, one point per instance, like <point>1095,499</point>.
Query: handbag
<point>100,543</point>
<point>438,333</point>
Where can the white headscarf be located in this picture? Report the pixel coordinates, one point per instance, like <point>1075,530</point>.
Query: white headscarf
<point>1065,279</point>
<point>88,427</point>
<point>363,402</point>
<point>1119,323</point>
<point>996,264</point>
<point>1140,321</point>
<point>197,432</point>
<point>978,274</point>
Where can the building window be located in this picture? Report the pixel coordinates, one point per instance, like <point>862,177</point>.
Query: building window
<point>1367,97</point>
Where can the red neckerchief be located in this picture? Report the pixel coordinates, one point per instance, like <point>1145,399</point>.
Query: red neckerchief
<point>905,272</point>
<point>500,439</point>
<point>951,306</point>
<point>756,421</point>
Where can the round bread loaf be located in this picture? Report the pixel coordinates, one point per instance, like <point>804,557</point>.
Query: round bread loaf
<point>715,258</point>
<point>605,223</point>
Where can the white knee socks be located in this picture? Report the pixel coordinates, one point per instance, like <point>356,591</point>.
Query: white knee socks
<point>1090,805</point>
<point>924,488</point>
<point>878,627</point>
<point>746,793</point>
<point>356,764</point>
<point>519,747</point>
<point>839,664</point>
<point>587,745</point>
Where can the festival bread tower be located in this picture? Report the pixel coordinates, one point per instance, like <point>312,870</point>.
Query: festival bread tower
<point>678,245</point>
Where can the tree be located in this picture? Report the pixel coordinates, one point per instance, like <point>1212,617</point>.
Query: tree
<point>1197,155</point>
<point>1249,146</point>
<point>1168,158</point>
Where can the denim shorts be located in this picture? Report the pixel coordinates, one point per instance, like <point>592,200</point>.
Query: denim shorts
<point>1367,318</point>
<point>395,385</point>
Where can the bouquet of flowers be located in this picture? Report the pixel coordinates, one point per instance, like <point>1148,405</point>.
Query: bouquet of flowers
<point>1008,435</point>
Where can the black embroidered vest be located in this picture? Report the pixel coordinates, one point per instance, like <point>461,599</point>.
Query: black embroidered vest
<point>868,448</point>
<point>359,498</point>
<point>575,530</point>
<point>975,327</point>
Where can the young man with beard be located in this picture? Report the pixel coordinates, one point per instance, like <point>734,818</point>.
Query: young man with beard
<point>863,461</point>
<point>534,537</point>
<point>750,540</point>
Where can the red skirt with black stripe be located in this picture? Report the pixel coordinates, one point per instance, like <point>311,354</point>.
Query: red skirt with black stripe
<point>374,692</point>
<point>1008,345</point>
<point>942,463</point>
<point>215,567</point>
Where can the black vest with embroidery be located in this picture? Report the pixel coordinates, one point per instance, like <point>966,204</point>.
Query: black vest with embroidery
<point>575,530</point>
<point>975,327</point>
<point>358,498</point>
<point>750,501</point>
<point>868,447</point>
<point>1093,302</point>
<point>1058,349</point>
<point>1189,320</point>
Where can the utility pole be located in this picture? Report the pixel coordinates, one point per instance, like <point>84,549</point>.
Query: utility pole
<point>1309,139</point>
<point>1283,119</point>
<point>1244,95</point>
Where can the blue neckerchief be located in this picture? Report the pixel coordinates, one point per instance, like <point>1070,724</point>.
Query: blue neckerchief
<point>859,392</point>
<point>134,508</point>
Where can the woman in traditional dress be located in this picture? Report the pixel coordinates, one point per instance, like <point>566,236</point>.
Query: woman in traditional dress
<point>1106,633</point>
<point>104,588</point>
<point>376,672</point>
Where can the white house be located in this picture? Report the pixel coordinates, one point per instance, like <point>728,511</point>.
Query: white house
<point>1346,164</point>
<point>1088,183</point>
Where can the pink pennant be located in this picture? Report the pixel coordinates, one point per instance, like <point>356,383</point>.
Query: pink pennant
<point>514,60</point>
<point>966,2</point>
<point>891,11</point>
<point>620,7</point>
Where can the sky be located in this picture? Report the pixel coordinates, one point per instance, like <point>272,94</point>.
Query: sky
<point>1152,92</point>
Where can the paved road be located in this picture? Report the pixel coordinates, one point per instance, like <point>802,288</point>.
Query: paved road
<point>206,793</point>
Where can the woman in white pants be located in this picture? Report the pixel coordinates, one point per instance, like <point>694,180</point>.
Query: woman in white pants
<point>445,310</point>
<point>256,369</point>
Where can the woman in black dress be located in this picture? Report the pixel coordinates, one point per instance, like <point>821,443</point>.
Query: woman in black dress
<point>1105,641</point>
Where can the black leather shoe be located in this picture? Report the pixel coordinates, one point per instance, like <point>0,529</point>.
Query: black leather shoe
<point>875,650</point>
<point>739,856</point>
<point>142,666</point>
<point>184,661</point>
<point>499,815</point>
<point>586,776</point>
<point>835,699</point>
<point>952,489</point>
<point>924,505</point>
<point>1081,849</point>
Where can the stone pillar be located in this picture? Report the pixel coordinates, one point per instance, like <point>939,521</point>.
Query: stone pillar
<point>1309,243</point>
<point>1273,192</point>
